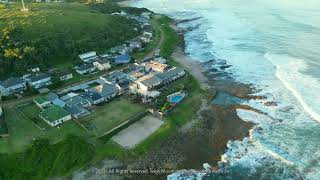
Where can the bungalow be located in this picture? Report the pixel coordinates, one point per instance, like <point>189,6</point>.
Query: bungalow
<point>34,69</point>
<point>85,69</point>
<point>42,101</point>
<point>123,49</point>
<point>54,98</point>
<point>78,101</point>
<point>38,81</point>
<point>156,66</point>
<point>113,77</point>
<point>12,85</point>
<point>149,84</point>
<point>122,59</point>
<point>107,91</point>
<point>135,44</point>
<point>64,76</point>
<point>102,64</point>
<point>55,115</point>
<point>88,57</point>
<point>77,111</point>
<point>93,97</point>
<point>170,75</point>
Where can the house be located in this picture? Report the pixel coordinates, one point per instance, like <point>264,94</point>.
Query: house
<point>54,98</point>
<point>122,59</point>
<point>113,77</point>
<point>149,84</point>
<point>156,66</point>
<point>64,76</point>
<point>123,49</point>
<point>34,69</point>
<point>55,115</point>
<point>77,111</point>
<point>68,96</point>
<point>170,75</point>
<point>85,69</point>
<point>42,101</point>
<point>107,91</point>
<point>12,85</point>
<point>88,57</point>
<point>93,97</point>
<point>78,101</point>
<point>102,64</point>
<point>38,81</point>
<point>135,44</point>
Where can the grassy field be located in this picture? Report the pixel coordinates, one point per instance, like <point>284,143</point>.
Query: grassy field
<point>22,131</point>
<point>108,116</point>
<point>31,111</point>
<point>53,34</point>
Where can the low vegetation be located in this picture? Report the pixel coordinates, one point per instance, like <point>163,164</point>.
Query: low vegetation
<point>43,159</point>
<point>53,34</point>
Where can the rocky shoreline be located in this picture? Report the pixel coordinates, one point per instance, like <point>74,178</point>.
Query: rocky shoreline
<point>204,138</point>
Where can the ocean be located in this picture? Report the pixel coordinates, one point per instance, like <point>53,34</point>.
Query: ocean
<point>274,45</point>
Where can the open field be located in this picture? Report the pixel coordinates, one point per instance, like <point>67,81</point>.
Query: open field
<point>22,131</point>
<point>110,115</point>
<point>137,132</point>
<point>31,111</point>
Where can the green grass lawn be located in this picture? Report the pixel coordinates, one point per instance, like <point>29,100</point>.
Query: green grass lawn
<point>108,116</point>
<point>23,131</point>
<point>31,111</point>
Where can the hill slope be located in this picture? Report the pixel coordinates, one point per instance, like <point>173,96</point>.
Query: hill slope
<point>54,34</point>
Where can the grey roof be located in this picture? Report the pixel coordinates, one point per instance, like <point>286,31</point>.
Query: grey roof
<point>52,96</point>
<point>169,74</point>
<point>114,76</point>
<point>77,100</point>
<point>58,102</point>
<point>85,67</point>
<point>151,82</point>
<point>102,61</point>
<point>122,59</point>
<point>12,82</point>
<point>108,90</point>
<point>77,110</point>
<point>38,77</point>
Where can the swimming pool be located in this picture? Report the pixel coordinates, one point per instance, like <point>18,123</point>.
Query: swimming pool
<point>176,99</point>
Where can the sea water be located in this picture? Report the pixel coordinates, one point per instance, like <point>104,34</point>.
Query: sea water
<point>275,46</point>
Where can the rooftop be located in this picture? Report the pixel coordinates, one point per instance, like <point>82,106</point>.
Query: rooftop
<point>38,77</point>
<point>11,82</point>
<point>122,59</point>
<point>54,113</point>
<point>41,99</point>
<point>85,67</point>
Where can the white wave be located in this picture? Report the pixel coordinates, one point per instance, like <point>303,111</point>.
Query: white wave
<point>300,85</point>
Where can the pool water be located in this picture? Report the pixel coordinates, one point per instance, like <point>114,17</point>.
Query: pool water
<point>176,99</point>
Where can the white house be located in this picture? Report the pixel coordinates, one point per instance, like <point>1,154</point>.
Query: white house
<point>88,57</point>
<point>12,85</point>
<point>85,69</point>
<point>65,76</point>
<point>102,65</point>
<point>55,115</point>
<point>42,101</point>
<point>38,81</point>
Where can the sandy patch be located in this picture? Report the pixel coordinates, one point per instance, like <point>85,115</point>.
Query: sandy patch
<point>137,132</point>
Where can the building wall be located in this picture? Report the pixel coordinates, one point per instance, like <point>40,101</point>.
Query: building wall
<point>60,121</point>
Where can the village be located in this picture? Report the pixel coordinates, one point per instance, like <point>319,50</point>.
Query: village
<point>116,76</point>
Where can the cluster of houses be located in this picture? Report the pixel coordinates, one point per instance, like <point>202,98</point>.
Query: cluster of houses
<point>91,62</point>
<point>144,80</point>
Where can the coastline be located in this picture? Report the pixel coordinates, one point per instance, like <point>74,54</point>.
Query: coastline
<point>203,139</point>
